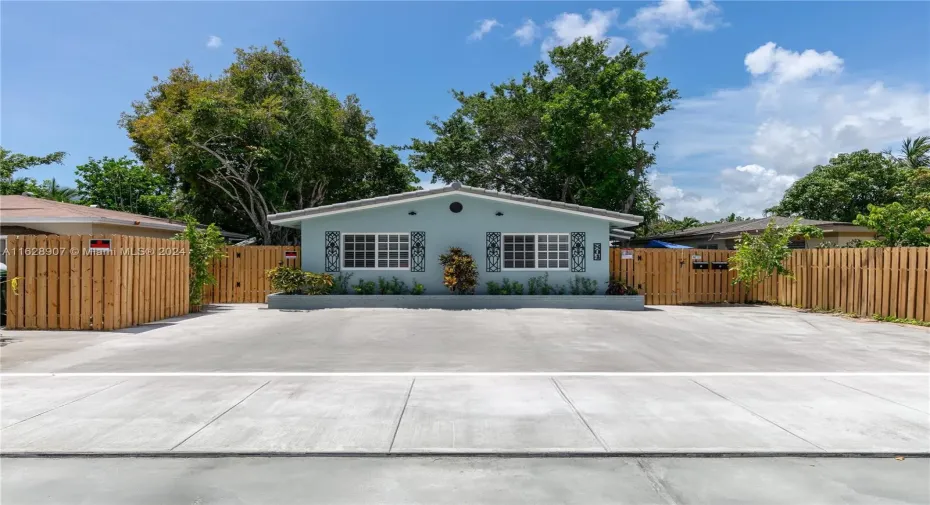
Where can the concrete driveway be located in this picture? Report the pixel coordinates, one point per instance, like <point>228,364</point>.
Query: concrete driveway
<point>721,380</point>
<point>665,339</point>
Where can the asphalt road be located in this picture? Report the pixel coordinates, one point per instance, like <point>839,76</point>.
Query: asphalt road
<point>462,481</point>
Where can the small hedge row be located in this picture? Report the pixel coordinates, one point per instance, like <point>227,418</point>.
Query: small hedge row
<point>294,281</point>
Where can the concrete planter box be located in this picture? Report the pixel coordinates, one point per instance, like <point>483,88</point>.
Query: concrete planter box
<point>456,302</point>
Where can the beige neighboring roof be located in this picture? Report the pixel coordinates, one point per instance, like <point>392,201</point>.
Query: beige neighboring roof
<point>16,209</point>
<point>618,218</point>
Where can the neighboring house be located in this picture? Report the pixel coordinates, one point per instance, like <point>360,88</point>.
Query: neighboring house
<point>724,235</point>
<point>26,215</point>
<point>509,236</point>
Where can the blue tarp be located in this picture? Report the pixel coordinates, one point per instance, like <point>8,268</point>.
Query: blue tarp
<point>658,244</point>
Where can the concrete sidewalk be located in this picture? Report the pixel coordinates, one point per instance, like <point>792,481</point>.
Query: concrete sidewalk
<point>465,481</point>
<point>462,414</point>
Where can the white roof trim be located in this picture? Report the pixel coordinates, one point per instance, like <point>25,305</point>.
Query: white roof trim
<point>290,218</point>
<point>621,233</point>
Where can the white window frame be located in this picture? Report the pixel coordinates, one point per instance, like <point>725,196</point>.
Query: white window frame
<point>342,250</point>
<point>536,252</point>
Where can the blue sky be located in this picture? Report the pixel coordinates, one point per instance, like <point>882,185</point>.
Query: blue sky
<point>768,88</point>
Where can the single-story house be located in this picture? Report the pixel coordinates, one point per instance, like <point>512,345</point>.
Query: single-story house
<point>724,235</point>
<point>510,236</point>
<point>27,215</point>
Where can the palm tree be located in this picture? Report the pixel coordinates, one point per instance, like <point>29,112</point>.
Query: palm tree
<point>916,152</point>
<point>59,193</point>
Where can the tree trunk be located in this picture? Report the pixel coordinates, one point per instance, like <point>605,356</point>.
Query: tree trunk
<point>637,177</point>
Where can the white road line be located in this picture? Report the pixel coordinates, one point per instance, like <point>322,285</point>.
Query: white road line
<point>464,374</point>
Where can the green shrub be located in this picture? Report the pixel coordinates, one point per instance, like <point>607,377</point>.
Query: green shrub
<point>393,287</point>
<point>760,256</point>
<point>364,287</point>
<point>460,274</point>
<point>341,284</point>
<point>205,245</point>
<point>317,284</point>
<point>294,281</point>
<point>582,286</point>
<point>619,287</point>
<point>534,284</point>
<point>509,287</point>
<point>539,285</point>
<point>288,280</point>
<point>505,287</point>
<point>418,289</point>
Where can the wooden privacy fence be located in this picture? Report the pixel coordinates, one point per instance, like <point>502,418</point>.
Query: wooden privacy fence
<point>62,283</point>
<point>240,275</point>
<point>668,277</point>
<point>889,282</point>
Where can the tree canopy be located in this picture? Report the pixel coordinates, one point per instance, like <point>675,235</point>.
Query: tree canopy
<point>575,136</point>
<point>11,162</point>
<point>843,188</point>
<point>260,139</point>
<point>896,225</point>
<point>123,184</point>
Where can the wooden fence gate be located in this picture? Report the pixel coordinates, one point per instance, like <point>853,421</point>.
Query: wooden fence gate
<point>678,276</point>
<point>240,275</point>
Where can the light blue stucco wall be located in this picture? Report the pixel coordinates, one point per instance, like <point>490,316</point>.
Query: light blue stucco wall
<point>466,229</point>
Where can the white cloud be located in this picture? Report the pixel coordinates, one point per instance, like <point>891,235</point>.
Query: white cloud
<point>484,26</point>
<point>753,188</point>
<point>737,150</point>
<point>569,27</point>
<point>678,202</point>
<point>527,32</point>
<point>787,66</point>
<point>746,190</point>
<point>214,42</point>
<point>653,23</point>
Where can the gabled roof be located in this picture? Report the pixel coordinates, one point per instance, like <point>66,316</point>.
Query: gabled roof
<point>290,218</point>
<point>735,228</point>
<point>17,209</point>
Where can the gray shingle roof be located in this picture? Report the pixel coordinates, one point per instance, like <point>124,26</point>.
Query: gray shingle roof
<point>286,217</point>
<point>737,227</point>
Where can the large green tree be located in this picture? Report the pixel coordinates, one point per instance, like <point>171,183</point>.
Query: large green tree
<point>125,185</point>
<point>260,139</point>
<point>844,188</point>
<point>11,162</point>
<point>666,224</point>
<point>575,136</point>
